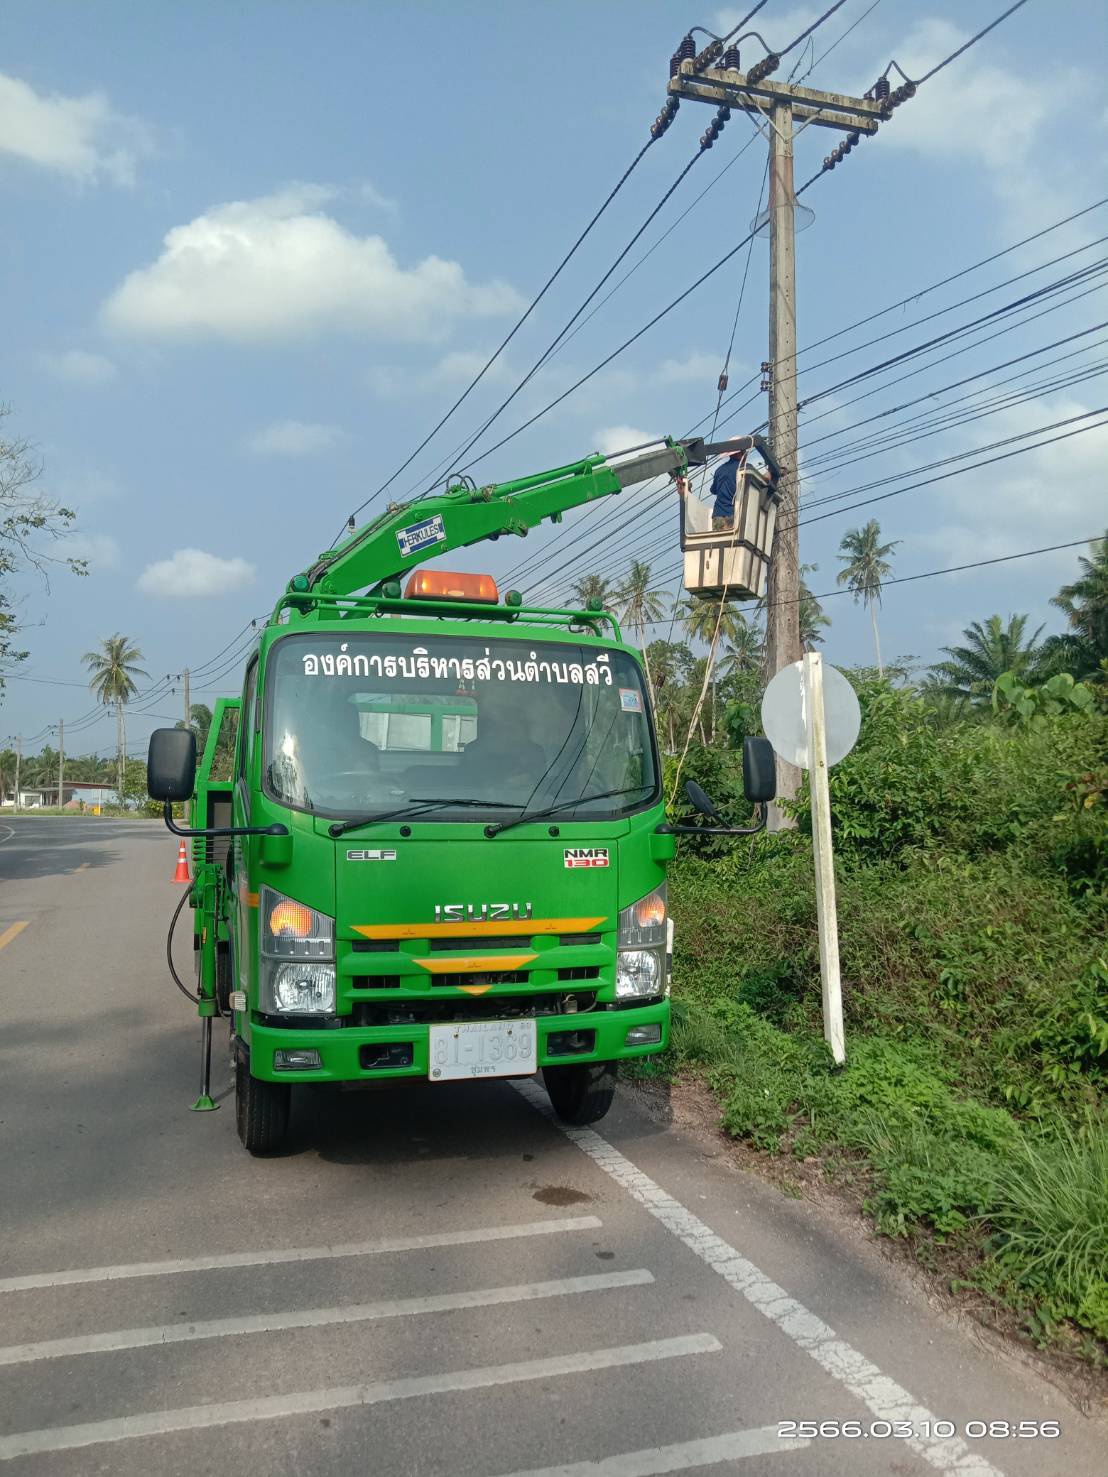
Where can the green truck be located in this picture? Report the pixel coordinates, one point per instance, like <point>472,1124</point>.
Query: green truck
<point>442,850</point>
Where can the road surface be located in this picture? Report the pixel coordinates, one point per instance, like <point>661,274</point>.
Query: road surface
<point>432,1279</point>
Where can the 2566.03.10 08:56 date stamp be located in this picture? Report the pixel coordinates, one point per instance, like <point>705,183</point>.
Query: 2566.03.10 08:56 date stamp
<point>996,1430</point>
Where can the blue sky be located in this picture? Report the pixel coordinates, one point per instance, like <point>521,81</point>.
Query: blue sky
<point>250,254</point>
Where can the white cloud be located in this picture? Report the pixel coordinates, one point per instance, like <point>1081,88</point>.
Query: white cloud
<point>293,438</point>
<point>1042,497</point>
<point>193,572</point>
<point>82,137</point>
<point>612,439</point>
<point>974,111</point>
<point>277,267</point>
<point>100,550</point>
<point>695,368</point>
<point>80,367</point>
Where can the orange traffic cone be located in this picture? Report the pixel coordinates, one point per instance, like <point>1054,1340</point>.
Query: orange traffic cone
<point>182,872</point>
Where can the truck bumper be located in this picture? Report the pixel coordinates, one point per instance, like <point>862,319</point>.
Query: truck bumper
<point>343,1052</point>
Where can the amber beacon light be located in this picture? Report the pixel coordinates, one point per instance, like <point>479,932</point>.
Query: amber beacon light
<point>444,584</point>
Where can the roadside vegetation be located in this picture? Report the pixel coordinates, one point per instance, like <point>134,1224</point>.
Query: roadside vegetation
<point>971,826</point>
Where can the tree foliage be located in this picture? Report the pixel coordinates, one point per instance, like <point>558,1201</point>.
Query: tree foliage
<point>29,522</point>
<point>971,670</point>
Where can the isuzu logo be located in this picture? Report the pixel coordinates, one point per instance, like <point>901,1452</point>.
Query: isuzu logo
<point>481,912</point>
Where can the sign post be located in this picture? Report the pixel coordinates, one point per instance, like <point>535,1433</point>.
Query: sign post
<point>811,717</point>
<point>827,918</point>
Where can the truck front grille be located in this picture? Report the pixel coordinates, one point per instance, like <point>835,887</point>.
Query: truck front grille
<point>482,1008</point>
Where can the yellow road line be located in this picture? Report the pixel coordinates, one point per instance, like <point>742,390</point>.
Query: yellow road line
<point>12,931</point>
<point>82,868</point>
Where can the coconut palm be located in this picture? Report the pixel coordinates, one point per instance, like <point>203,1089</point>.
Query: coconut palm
<point>867,564</point>
<point>1085,605</point>
<point>710,620</point>
<point>113,671</point>
<point>638,606</point>
<point>970,671</point>
<point>591,587</point>
<point>811,613</point>
<point>745,648</point>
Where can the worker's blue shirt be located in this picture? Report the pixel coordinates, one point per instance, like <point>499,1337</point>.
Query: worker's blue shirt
<point>723,489</point>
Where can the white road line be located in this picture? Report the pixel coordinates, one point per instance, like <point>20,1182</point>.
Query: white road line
<point>11,832</point>
<point>884,1397</point>
<point>221,1328</point>
<point>299,1254</point>
<point>654,1460</point>
<point>310,1402</point>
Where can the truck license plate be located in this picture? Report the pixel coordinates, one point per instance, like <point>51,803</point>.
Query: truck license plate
<point>482,1049</point>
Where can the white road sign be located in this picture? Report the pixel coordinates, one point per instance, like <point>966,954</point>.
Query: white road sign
<point>784,716</point>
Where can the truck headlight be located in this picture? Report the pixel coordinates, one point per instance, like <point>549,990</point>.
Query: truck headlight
<point>298,989</point>
<point>296,957</point>
<point>640,963</point>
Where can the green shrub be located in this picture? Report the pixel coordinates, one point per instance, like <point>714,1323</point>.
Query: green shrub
<point>1050,1213</point>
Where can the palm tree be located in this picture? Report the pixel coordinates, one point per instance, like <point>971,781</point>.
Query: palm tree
<point>1085,605</point>
<point>112,682</point>
<point>710,620</point>
<point>638,606</point>
<point>867,564</point>
<point>990,650</point>
<point>591,587</point>
<point>745,649</point>
<point>812,617</point>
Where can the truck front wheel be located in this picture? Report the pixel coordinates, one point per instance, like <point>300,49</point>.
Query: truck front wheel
<point>581,1093</point>
<point>261,1110</point>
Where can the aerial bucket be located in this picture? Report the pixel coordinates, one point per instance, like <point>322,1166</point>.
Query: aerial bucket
<point>731,563</point>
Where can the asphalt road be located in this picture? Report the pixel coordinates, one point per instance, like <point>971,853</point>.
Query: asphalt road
<point>431,1279</point>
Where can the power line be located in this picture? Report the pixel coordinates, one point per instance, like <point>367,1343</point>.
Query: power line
<point>973,40</point>
<point>511,334</point>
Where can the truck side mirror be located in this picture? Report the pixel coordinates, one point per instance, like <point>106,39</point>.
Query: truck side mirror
<point>171,764</point>
<point>759,770</point>
<point>701,802</point>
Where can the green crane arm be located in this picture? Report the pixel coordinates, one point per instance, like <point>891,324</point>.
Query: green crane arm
<point>408,535</point>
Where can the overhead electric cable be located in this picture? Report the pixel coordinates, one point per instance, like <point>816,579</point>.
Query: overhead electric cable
<point>511,334</point>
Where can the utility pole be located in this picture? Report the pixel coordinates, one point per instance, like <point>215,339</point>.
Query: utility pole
<point>775,106</point>
<point>18,766</point>
<point>188,710</point>
<point>61,763</point>
<point>783,644</point>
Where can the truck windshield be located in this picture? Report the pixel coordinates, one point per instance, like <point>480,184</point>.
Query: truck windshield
<point>363,724</point>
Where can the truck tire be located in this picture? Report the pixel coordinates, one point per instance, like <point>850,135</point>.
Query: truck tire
<point>261,1110</point>
<point>581,1093</point>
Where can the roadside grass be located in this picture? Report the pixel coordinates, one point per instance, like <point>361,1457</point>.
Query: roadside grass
<point>972,1106</point>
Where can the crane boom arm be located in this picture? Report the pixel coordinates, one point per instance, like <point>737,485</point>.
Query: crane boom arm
<point>408,535</point>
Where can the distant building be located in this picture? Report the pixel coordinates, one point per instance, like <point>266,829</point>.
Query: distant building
<point>76,795</point>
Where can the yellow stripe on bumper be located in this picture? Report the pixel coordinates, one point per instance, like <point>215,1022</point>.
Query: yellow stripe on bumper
<point>516,927</point>
<point>485,964</point>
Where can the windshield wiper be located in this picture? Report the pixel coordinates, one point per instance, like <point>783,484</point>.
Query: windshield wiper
<point>537,815</point>
<point>416,806</point>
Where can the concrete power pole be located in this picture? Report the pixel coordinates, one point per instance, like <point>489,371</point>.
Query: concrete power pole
<point>775,105</point>
<point>783,644</point>
<point>18,767</point>
<point>188,709</point>
<point>61,763</point>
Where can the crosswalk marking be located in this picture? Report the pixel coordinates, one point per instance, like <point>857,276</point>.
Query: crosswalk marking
<point>310,1402</point>
<point>184,1333</point>
<point>655,1460</point>
<point>261,1258</point>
